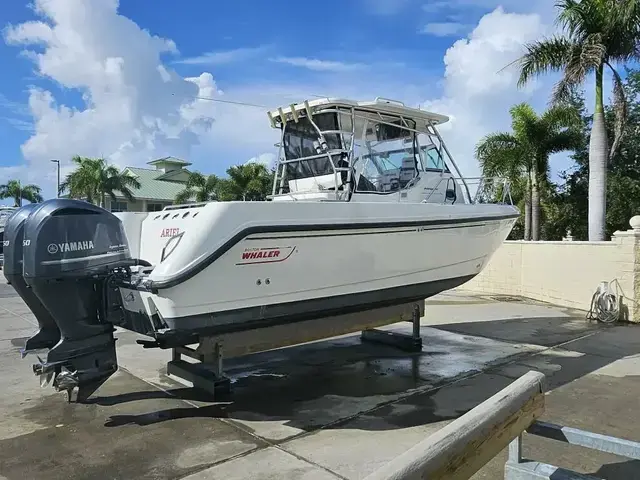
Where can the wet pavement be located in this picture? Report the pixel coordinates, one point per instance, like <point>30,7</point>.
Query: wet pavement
<point>338,408</point>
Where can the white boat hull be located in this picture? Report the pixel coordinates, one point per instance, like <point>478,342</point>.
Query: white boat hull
<point>268,270</point>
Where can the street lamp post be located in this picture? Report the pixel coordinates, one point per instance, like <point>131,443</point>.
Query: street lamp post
<point>58,184</point>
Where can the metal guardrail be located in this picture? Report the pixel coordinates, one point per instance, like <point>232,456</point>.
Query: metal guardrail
<point>518,469</point>
<point>465,445</point>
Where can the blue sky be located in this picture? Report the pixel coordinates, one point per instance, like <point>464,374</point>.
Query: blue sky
<point>126,81</point>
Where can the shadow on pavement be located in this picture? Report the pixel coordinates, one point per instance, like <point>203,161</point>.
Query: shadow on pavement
<point>625,470</point>
<point>329,394</point>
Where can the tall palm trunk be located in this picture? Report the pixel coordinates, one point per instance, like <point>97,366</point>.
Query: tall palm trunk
<point>598,153</point>
<point>527,208</point>
<point>535,203</point>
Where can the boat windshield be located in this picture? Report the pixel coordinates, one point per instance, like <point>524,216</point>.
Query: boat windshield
<point>301,140</point>
<point>389,158</point>
<point>433,156</point>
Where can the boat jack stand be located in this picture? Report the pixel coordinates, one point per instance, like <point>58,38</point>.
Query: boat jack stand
<point>208,375</point>
<point>407,343</point>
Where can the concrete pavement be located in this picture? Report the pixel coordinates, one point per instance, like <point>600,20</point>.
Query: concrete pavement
<point>326,410</point>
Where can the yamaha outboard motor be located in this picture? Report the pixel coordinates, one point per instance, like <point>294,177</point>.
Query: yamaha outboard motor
<point>48,333</point>
<point>71,251</point>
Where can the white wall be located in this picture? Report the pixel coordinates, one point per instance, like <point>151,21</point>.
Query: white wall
<point>564,273</point>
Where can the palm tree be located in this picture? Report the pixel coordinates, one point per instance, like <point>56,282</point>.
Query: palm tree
<point>598,34</point>
<point>251,181</point>
<point>523,155</point>
<point>93,180</point>
<point>13,189</point>
<point>202,188</point>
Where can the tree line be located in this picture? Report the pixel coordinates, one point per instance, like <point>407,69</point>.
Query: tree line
<point>549,210</point>
<point>94,180</point>
<point>597,35</point>
<point>598,195</point>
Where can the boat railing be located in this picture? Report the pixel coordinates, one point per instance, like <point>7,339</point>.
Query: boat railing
<point>488,189</point>
<point>493,190</point>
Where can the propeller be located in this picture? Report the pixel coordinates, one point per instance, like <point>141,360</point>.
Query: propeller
<point>45,379</point>
<point>66,380</point>
<point>44,371</point>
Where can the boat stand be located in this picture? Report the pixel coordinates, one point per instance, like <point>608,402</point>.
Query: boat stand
<point>207,372</point>
<point>407,343</point>
<point>206,375</point>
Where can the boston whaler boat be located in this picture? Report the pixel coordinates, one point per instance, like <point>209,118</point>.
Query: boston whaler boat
<point>365,215</point>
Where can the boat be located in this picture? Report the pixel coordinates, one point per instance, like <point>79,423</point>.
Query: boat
<point>368,211</point>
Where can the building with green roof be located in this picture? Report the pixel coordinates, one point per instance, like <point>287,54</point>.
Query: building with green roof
<point>158,186</point>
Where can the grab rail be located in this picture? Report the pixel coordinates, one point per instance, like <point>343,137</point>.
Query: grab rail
<point>465,445</point>
<point>517,468</point>
<point>481,181</point>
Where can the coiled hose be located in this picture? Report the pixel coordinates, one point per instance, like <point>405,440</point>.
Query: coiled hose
<point>605,303</point>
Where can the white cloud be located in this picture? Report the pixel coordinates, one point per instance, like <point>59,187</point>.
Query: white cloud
<point>267,159</point>
<point>319,65</point>
<point>223,57</point>
<point>468,11</point>
<point>135,108</point>
<point>444,29</point>
<point>477,92</point>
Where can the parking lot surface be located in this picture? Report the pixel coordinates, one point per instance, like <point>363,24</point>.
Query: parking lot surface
<point>338,408</point>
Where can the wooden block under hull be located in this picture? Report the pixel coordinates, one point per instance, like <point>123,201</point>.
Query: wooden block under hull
<point>269,338</point>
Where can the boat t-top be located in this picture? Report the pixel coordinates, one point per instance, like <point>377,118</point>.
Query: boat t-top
<point>365,214</point>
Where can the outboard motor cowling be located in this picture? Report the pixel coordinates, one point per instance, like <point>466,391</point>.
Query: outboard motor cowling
<point>48,333</point>
<point>71,250</point>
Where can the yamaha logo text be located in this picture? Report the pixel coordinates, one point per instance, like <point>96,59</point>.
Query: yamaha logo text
<point>54,248</point>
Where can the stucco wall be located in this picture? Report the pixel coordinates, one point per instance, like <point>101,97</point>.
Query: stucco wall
<point>564,273</point>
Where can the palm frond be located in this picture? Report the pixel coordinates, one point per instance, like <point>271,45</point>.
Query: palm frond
<point>32,193</point>
<point>623,30</point>
<point>561,116</point>
<point>563,141</point>
<point>501,154</point>
<point>196,180</point>
<point>544,56</point>
<point>564,91</point>
<point>580,18</point>
<point>524,120</point>
<point>620,109</point>
<point>212,183</point>
<point>185,196</point>
<point>585,57</point>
